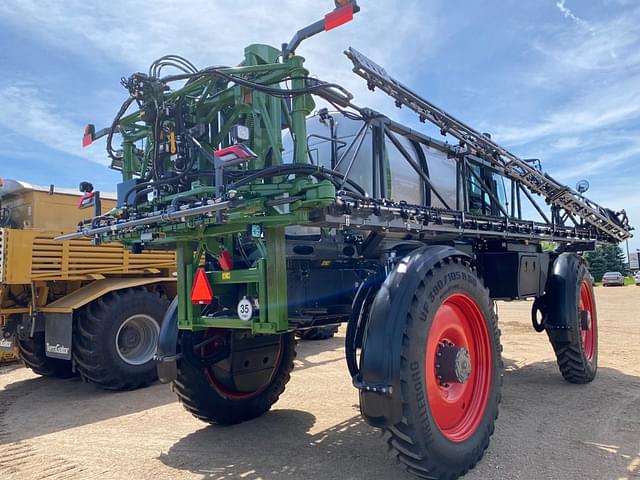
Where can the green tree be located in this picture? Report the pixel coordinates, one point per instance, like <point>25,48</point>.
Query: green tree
<point>606,258</point>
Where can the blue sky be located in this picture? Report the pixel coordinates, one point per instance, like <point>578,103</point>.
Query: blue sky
<point>557,80</point>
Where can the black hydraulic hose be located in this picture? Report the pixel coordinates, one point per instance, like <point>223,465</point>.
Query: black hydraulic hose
<point>171,60</point>
<point>279,170</point>
<point>274,171</point>
<point>150,186</point>
<point>276,92</point>
<point>187,173</point>
<point>114,125</point>
<point>354,195</point>
<point>358,319</point>
<point>144,186</point>
<point>175,203</point>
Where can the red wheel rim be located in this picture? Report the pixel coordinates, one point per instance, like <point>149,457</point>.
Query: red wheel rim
<point>222,389</point>
<point>458,408</point>
<point>588,325</point>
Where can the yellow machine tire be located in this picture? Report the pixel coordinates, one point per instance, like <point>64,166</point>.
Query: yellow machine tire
<point>32,354</point>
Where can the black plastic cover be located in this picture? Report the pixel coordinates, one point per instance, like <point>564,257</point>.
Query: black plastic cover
<point>379,381</point>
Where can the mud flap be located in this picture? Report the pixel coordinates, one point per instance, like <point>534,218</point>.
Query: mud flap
<point>7,341</point>
<point>559,299</point>
<point>379,379</point>
<point>58,334</point>
<point>167,353</point>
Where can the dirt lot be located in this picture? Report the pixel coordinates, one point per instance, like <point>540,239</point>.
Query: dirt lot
<point>547,429</point>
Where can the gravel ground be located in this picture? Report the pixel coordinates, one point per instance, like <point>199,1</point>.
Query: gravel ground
<point>547,429</point>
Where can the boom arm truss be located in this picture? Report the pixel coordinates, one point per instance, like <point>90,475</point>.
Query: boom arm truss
<point>608,223</point>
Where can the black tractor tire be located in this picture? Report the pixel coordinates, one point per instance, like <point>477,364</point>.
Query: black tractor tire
<point>32,353</point>
<point>568,293</point>
<point>319,333</point>
<point>199,394</point>
<point>418,441</point>
<point>102,330</point>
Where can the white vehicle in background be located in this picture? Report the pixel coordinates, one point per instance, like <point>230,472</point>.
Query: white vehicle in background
<point>612,278</point>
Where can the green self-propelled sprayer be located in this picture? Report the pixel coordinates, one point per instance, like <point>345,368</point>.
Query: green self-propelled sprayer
<point>284,220</point>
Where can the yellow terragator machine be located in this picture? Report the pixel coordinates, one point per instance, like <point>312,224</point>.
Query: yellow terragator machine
<point>73,307</point>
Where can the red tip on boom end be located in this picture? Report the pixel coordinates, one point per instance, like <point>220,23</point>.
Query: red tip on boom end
<point>338,17</point>
<point>89,132</point>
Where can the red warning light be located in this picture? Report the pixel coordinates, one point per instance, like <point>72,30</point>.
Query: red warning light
<point>89,133</point>
<point>87,200</point>
<point>201,292</point>
<point>338,17</point>
<point>226,260</point>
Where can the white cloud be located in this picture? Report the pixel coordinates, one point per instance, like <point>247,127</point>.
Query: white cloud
<point>214,33</point>
<point>129,35</point>
<point>592,111</point>
<point>581,84</point>
<point>610,48</point>
<point>590,165</point>
<point>26,111</point>
<point>566,11</point>
<point>568,143</point>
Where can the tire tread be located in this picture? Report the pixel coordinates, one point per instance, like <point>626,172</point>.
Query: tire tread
<point>91,321</point>
<point>200,399</point>
<point>403,440</point>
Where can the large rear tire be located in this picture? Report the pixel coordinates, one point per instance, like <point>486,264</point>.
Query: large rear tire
<point>32,353</point>
<point>115,339</point>
<point>241,386</point>
<point>451,374</point>
<point>571,302</point>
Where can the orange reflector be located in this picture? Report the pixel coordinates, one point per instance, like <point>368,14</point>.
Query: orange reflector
<point>87,200</point>
<point>87,138</point>
<point>338,17</point>
<point>225,260</point>
<point>201,292</point>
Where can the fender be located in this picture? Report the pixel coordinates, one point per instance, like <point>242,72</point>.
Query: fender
<point>167,353</point>
<point>379,378</point>
<point>559,297</point>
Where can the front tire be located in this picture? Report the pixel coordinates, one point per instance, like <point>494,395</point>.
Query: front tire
<point>32,353</point>
<point>449,407</point>
<point>242,384</point>
<point>572,303</point>
<point>115,339</point>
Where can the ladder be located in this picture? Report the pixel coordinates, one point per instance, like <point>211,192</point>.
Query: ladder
<point>613,225</point>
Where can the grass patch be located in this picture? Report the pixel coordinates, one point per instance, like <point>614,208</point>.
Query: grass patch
<point>627,281</point>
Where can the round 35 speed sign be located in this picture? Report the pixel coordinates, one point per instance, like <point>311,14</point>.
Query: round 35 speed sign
<point>245,309</point>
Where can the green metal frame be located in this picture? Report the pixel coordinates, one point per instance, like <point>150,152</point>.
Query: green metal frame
<point>210,101</point>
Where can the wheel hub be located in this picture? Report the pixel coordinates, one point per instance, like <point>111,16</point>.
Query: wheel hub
<point>453,364</point>
<point>136,339</point>
<point>131,338</point>
<point>460,365</point>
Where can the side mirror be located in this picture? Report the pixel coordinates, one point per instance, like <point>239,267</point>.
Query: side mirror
<point>582,186</point>
<point>85,187</point>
